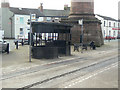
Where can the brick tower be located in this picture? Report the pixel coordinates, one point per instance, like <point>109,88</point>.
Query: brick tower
<point>84,9</point>
<point>5,4</point>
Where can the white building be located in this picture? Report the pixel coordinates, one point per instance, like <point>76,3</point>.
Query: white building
<point>21,17</point>
<point>110,27</point>
<point>14,20</point>
<point>21,26</point>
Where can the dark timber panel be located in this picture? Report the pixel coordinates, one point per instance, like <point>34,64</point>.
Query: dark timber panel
<point>54,47</point>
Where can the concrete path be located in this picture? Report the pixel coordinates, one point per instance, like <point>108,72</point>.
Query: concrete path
<point>19,59</point>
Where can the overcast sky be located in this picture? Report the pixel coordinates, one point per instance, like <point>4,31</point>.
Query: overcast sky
<point>103,7</point>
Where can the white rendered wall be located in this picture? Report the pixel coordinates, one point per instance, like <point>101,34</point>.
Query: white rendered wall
<point>23,25</point>
<point>108,30</point>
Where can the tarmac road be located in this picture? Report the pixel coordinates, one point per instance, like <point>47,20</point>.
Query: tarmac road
<point>105,78</point>
<point>98,76</point>
<point>47,74</point>
<point>44,69</point>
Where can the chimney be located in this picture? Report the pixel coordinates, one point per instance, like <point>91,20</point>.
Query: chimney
<point>5,4</point>
<point>65,6</point>
<point>41,7</point>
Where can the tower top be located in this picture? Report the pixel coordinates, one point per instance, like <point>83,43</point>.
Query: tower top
<point>5,4</point>
<point>82,7</point>
<point>41,7</point>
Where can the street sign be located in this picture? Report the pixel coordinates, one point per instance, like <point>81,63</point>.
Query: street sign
<point>80,22</point>
<point>33,17</point>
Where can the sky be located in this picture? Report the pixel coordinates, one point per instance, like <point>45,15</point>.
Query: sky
<point>103,7</point>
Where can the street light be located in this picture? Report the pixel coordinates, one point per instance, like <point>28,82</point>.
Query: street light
<point>32,19</point>
<point>81,35</point>
<point>30,40</point>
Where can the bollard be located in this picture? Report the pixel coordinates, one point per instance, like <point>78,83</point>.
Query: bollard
<point>7,48</point>
<point>16,44</point>
<point>22,42</point>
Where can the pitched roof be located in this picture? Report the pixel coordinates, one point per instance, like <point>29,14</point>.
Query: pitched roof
<point>107,18</point>
<point>51,12</point>
<point>46,12</point>
<point>26,11</point>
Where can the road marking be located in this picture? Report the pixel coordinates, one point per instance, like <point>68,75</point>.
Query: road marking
<point>94,74</point>
<point>60,66</point>
<point>22,69</point>
<point>34,66</point>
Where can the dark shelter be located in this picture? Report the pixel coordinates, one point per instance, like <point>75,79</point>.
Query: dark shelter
<point>49,40</point>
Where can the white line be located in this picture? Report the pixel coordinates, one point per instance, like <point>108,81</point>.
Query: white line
<point>79,80</point>
<point>22,69</point>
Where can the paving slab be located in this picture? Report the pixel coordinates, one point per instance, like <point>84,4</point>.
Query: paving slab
<point>19,59</point>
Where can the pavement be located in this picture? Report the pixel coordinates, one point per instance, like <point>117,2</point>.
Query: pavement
<point>99,79</point>
<point>104,77</point>
<point>19,59</point>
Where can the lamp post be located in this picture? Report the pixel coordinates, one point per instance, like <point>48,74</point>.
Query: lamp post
<point>30,40</point>
<point>108,37</point>
<point>81,35</point>
<point>32,19</point>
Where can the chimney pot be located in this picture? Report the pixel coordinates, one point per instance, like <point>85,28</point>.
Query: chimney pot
<point>41,7</point>
<point>65,6</point>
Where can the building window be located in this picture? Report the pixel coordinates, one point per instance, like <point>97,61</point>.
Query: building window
<point>48,19</point>
<point>40,19</point>
<point>114,33</point>
<point>21,31</point>
<point>114,24</point>
<point>118,33</point>
<point>118,25</point>
<point>109,24</point>
<point>104,33</point>
<point>21,20</point>
<point>109,33</point>
<point>104,23</point>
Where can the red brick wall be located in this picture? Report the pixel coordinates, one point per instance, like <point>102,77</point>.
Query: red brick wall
<point>92,32</point>
<point>82,7</point>
<point>4,5</point>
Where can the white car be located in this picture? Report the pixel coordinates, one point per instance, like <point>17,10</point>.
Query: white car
<point>4,46</point>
